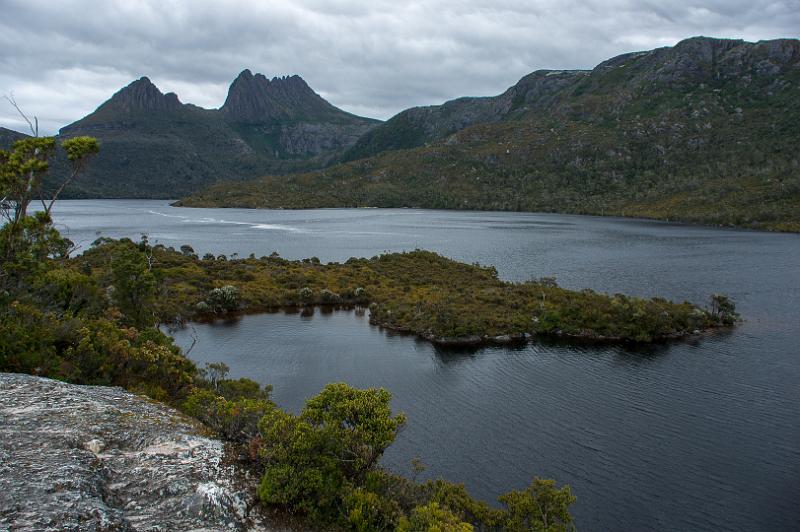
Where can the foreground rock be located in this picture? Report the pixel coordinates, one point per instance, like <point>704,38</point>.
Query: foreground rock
<point>98,458</point>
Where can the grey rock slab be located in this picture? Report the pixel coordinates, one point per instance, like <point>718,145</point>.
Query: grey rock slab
<point>94,458</point>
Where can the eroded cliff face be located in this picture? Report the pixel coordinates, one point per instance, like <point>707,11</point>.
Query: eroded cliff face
<point>99,458</point>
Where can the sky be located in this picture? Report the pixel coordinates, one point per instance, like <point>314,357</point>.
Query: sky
<point>60,59</point>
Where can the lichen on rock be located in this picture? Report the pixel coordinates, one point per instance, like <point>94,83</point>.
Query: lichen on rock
<point>100,458</point>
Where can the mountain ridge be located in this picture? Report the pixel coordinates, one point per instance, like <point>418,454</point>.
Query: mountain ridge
<point>704,131</point>
<point>535,89</point>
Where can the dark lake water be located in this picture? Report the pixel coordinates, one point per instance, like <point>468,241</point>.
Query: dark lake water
<point>702,435</point>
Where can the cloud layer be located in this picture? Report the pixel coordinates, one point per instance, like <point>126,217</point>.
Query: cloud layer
<point>374,58</point>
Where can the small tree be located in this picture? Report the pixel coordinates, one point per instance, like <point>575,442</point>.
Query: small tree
<point>215,372</point>
<point>335,441</point>
<point>22,172</point>
<point>188,251</point>
<point>723,309</point>
<point>134,286</point>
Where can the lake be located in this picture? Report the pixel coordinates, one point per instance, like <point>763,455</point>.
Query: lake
<point>697,435</point>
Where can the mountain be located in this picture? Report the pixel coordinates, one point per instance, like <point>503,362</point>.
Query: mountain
<point>286,117</point>
<point>705,131</point>
<point>421,125</point>
<point>9,137</point>
<point>155,146</point>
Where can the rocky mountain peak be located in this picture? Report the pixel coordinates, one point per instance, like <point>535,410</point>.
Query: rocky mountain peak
<point>143,95</point>
<point>254,98</point>
<point>705,49</point>
<point>705,60</point>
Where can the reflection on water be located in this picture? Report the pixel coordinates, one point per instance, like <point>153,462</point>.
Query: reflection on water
<point>696,435</point>
<point>655,426</point>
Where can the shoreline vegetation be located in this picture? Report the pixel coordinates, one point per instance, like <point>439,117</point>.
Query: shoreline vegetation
<point>271,192</point>
<point>420,292</point>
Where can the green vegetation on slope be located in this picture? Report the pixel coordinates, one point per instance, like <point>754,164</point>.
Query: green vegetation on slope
<point>703,132</point>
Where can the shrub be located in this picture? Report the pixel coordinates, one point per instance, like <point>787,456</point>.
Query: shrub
<point>457,500</point>
<point>335,441</point>
<point>306,294</point>
<point>225,299</point>
<point>368,511</point>
<point>235,418</point>
<point>433,518</point>
<point>540,507</point>
<point>242,388</point>
<point>329,297</point>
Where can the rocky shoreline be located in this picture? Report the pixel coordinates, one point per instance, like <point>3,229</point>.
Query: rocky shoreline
<point>101,458</point>
<point>521,338</point>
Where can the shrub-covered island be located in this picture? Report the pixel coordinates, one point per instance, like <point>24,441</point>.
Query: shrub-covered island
<point>419,292</point>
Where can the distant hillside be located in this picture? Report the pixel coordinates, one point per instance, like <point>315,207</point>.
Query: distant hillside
<point>9,137</point>
<point>705,131</point>
<point>421,125</point>
<point>154,146</point>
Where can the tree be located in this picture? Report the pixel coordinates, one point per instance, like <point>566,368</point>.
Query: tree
<point>359,421</point>
<point>188,251</point>
<point>335,441</point>
<point>22,169</point>
<point>134,286</point>
<point>541,507</point>
<point>215,372</point>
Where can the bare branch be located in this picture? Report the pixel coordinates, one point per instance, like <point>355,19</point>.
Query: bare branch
<point>76,169</point>
<point>13,102</point>
<point>194,341</point>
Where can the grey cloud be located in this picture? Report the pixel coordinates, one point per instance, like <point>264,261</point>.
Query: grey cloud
<point>62,59</point>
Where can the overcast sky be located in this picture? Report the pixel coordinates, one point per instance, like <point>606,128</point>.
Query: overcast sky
<point>61,59</point>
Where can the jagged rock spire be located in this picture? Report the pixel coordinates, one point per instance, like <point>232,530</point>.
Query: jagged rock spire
<point>142,95</point>
<point>255,98</point>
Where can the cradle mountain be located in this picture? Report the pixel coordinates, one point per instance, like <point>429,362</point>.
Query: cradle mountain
<point>155,146</point>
